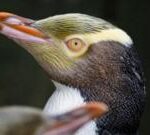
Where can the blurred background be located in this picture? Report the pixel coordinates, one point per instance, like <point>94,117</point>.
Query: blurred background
<point>23,82</point>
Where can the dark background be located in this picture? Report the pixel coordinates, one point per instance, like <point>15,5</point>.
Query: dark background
<point>23,82</point>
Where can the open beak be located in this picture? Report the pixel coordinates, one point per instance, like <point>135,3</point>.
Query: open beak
<point>20,28</point>
<point>69,123</point>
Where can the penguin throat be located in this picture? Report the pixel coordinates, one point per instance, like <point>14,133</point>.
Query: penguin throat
<point>65,99</point>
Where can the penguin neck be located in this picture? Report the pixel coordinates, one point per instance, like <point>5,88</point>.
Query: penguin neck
<point>65,99</point>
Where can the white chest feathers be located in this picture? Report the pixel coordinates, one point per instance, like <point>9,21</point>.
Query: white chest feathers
<point>65,99</point>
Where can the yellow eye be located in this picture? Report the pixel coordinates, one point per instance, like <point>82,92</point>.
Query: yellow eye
<point>75,44</point>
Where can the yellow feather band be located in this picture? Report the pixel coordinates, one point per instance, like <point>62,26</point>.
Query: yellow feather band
<point>113,34</point>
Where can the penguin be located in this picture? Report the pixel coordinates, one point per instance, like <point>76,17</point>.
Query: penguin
<point>88,59</point>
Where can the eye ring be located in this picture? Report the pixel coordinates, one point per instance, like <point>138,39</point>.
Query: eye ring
<point>75,44</point>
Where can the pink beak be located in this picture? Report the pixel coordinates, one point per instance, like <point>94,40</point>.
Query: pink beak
<point>20,28</point>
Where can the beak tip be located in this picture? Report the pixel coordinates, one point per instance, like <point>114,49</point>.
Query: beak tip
<point>104,106</point>
<point>97,109</point>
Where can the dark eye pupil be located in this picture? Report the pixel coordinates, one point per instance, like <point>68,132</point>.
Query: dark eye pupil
<point>76,43</point>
